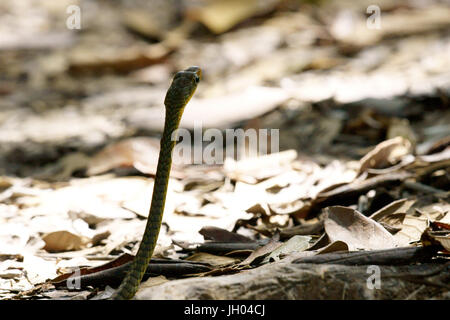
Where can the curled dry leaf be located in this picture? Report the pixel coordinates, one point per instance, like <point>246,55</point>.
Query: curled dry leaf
<point>385,154</point>
<point>398,206</point>
<point>356,230</point>
<point>334,247</point>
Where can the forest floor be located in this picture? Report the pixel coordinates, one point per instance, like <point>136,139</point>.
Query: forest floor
<point>355,205</point>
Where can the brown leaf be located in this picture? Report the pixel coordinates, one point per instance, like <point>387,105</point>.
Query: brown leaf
<point>64,241</point>
<point>355,229</point>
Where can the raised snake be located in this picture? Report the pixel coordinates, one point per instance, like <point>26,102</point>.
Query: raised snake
<point>178,95</point>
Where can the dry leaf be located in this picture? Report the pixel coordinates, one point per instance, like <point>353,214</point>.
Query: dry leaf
<point>214,260</point>
<point>333,247</point>
<point>221,15</point>
<point>385,154</point>
<point>398,206</point>
<point>294,244</point>
<point>444,241</point>
<point>262,251</point>
<point>356,230</point>
<point>59,241</point>
<point>222,235</point>
<point>412,230</point>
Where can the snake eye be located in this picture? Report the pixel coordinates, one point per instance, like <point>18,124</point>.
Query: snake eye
<point>196,78</point>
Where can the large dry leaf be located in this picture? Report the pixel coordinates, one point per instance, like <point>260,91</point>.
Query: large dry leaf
<point>356,230</point>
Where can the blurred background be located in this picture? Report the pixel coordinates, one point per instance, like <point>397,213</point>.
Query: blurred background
<point>334,76</point>
<point>359,91</point>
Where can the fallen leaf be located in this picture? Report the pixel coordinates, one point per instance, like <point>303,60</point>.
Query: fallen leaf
<point>412,230</point>
<point>222,235</point>
<point>398,206</point>
<point>385,154</point>
<point>214,260</point>
<point>262,251</point>
<point>356,230</point>
<point>294,244</point>
<point>444,241</point>
<point>64,241</point>
<point>38,269</point>
<point>333,247</point>
<point>221,15</point>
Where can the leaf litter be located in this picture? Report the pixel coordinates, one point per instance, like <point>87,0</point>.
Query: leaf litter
<point>361,175</point>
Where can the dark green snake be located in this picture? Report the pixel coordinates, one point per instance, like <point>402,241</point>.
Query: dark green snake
<point>180,92</point>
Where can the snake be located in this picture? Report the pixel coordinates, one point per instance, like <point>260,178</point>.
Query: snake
<point>181,90</point>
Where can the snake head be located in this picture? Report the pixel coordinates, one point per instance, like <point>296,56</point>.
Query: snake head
<point>182,88</point>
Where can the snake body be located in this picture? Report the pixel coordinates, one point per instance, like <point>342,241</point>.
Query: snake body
<point>178,95</point>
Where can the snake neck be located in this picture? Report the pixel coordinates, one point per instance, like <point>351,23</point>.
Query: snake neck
<point>164,164</point>
<point>137,270</point>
